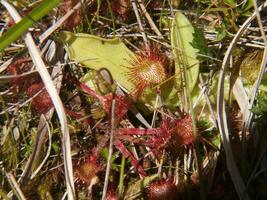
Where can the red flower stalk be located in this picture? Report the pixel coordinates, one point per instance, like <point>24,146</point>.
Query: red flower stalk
<point>119,145</point>
<point>146,70</point>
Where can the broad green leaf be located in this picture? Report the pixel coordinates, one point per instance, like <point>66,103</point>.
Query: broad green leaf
<point>95,52</point>
<point>136,189</point>
<point>18,29</point>
<point>185,54</point>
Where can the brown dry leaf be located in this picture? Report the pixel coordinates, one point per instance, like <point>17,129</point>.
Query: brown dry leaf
<point>121,7</point>
<point>75,19</point>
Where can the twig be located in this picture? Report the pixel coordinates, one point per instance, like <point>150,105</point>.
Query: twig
<point>157,103</point>
<point>40,137</point>
<point>149,19</point>
<point>140,23</point>
<point>47,153</point>
<point>55,26</point>
<point>15,186</point>
<point>161,163</point>
<point>112,132</point>
<point>213,115</point>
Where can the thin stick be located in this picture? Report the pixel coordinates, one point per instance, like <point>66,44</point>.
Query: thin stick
<point>49,31</point>
<point>48,151</point>
<point>161,163</point>
<point>213,115</point>
<point>157,102</point>
<point>121,177</point>
<point>15,186</point>
<point>149,19</point>
<point>140,23</point>
<point>110,152</point>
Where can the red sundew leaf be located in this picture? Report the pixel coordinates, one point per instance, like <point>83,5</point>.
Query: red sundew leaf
<point>162,189</point>
<point>41,103</point>
<point>118,144</point>
<point>91,92</point>
<point>138,131</point>
<point>122,103</point>
<point>184,132</point>
<point>112,195</point>
<point>155,138</point>
<point>155,4</point>
<point>177,133</point>
<point>19,66</point>
<point>146,69</point>
<point>88,168</point>
<point>78,115</point>
<point>121,107</point>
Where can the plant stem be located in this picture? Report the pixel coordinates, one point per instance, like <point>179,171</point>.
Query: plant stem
<point>121,177</point>
<point>109,162</point>
<point>198,156</point>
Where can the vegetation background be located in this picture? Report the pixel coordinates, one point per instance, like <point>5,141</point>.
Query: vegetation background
<point>140,99</point>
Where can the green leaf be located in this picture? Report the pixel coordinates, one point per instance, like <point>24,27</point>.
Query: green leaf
<point>18,29</point>
<point>263,85</point>
<point>231,3</point>
<point>115,155</point>
<point>200,43</point>
<point>3,195</point>
<point>95,52</point>
<point>248,4</point>
<point>221,33</point>
<point>185,54</point>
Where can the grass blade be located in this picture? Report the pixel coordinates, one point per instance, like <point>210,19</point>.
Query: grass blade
<point>22,26</point>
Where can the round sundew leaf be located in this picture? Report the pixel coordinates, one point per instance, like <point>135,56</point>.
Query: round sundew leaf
<point>185,54</point>
<point>136,189</point>
<point>96,52</point>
